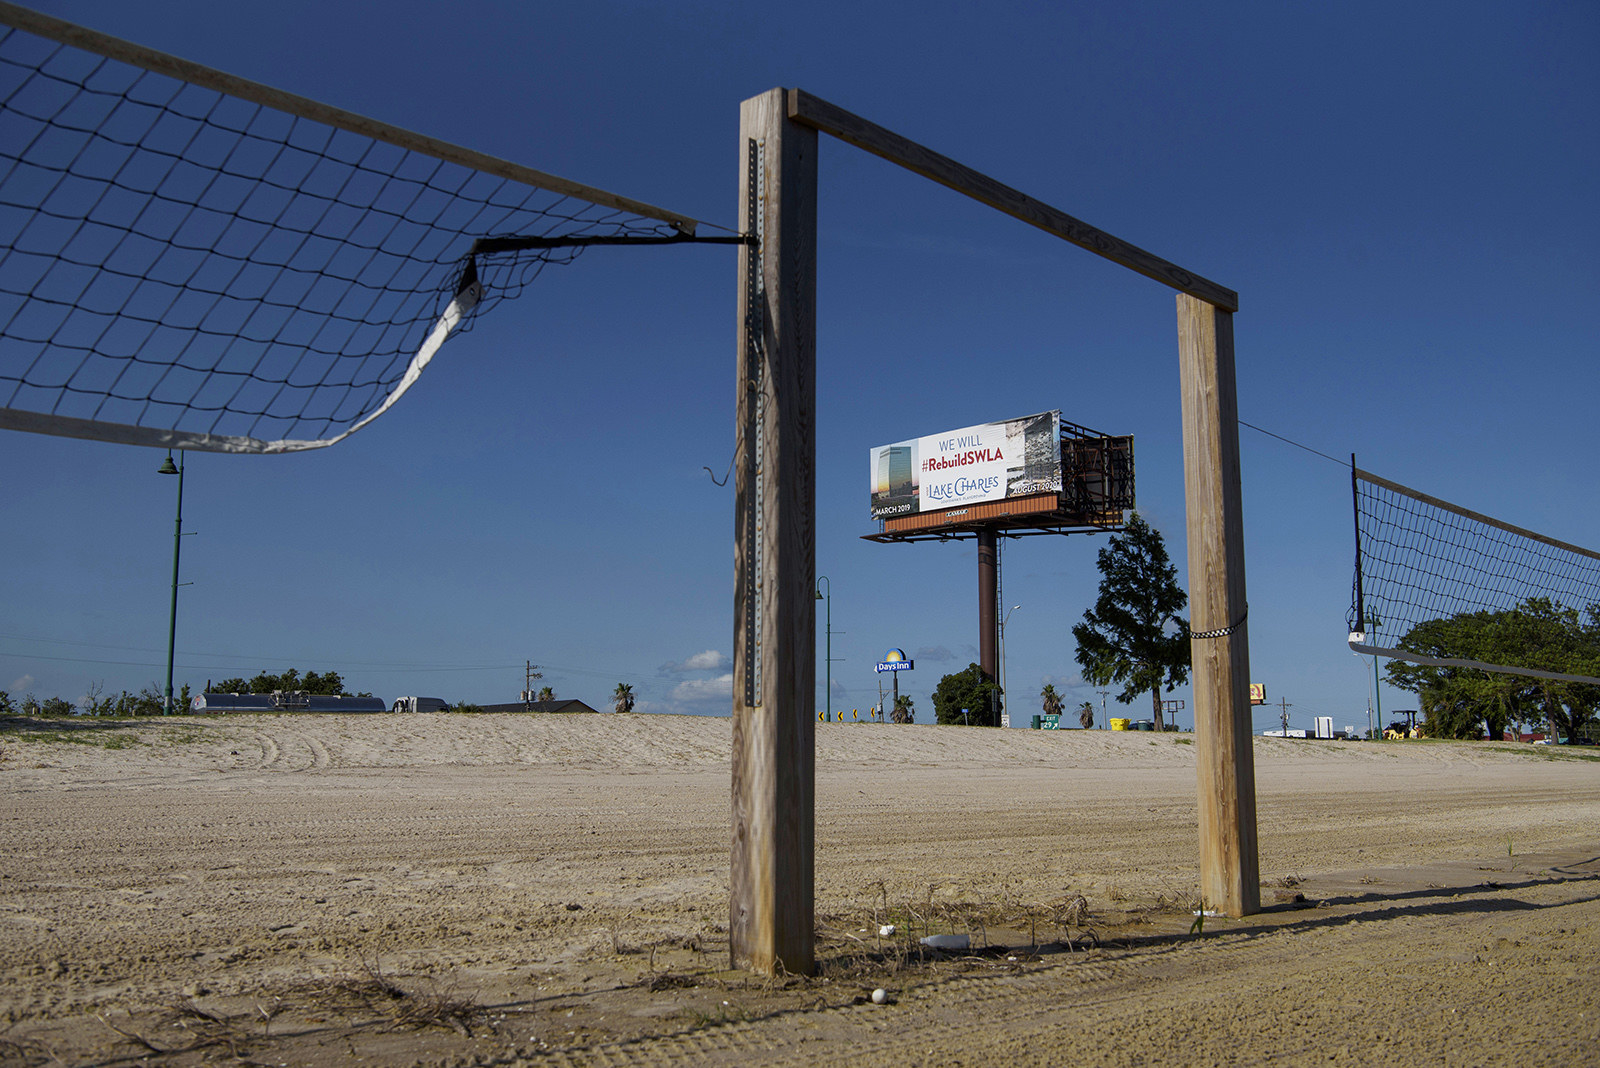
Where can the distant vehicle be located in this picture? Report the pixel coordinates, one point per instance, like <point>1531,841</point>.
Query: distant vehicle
<point>421,704</point>
<point>283,701</point>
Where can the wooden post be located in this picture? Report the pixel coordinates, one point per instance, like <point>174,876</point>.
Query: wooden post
<point>774,636</point>
<point>1230,880</point>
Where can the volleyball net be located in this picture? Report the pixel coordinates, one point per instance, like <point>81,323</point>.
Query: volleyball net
<point>1442,585</point>
<point>192,260</point>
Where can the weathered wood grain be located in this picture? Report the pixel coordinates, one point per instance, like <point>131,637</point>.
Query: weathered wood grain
<point>1229,865</point>
<point>771,912</point>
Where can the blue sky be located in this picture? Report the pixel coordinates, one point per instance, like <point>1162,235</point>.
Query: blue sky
<point>1403,195</point>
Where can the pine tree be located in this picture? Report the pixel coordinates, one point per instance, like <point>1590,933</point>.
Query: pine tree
<point>1133,635</point>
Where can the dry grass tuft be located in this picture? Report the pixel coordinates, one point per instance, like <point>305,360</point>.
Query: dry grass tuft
<point>426,1004</point>
<point>25,1052</point>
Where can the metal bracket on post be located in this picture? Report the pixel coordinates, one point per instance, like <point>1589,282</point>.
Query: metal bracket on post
<point>755,326</point>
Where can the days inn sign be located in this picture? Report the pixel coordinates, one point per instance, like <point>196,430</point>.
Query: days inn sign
<point>895,660</point>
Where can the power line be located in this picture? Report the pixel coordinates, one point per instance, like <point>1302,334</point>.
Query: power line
<point>1290,441</point>
<point>396,665</point>
<point>238,660</point>
<point>234,660</point>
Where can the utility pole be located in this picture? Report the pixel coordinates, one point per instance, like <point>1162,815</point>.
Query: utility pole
<point>527,691</point>
<point>1283,715</point>
<point>1103,695</point>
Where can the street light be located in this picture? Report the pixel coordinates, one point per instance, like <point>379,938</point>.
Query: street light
<point>828,649</point>
<point>1374,728</point>
<point>1006,619</point>
<point>169,468</point>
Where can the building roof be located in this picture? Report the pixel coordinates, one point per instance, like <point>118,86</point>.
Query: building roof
<point>539,706</point>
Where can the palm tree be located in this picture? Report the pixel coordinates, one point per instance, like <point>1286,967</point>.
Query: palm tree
<point>622,698</point>
<point>1051,699</point>
<point>903,712</point>
<point>1086,715</point>
<point>547,694</point>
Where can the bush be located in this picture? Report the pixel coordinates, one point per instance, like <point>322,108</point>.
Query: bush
<point>52,706</point>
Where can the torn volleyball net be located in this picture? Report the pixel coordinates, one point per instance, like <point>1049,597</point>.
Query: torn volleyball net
<point>189,259</point>
<point>1441,585</point>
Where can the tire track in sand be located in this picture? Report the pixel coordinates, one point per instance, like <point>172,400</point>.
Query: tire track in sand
<point>270,753</point>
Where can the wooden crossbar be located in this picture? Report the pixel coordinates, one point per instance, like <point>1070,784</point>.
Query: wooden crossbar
<point>820,115</point>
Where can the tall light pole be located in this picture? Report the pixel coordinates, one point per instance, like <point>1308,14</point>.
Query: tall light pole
<point>1003,692</point>
<point>1377,691</point>
<point>168,468</point>
<point>827,653</point>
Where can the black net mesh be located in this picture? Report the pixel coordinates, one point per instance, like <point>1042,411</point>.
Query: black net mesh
<point>1423,559</point>
<point>221,274</point>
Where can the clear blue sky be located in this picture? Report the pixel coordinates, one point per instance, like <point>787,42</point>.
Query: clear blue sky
<point>1403,194</point>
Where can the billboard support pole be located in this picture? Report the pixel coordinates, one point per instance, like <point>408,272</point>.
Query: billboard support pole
<point>988,599</point>
<point>771,911</point>
<point>1229,866</point>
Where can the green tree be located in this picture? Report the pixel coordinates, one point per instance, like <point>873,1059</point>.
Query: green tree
<point>1461,702</point>
<point>622,698</point>
<point>972,690</point>
<point>1134,635</point>
<point>1086,715</point>
<point>265,682</point>
<point>1049,700</point>
<point>7,706</point>
<point>329,684</point>
<point>323,683</point>
<point>904,711</point>
<point>547,693</point>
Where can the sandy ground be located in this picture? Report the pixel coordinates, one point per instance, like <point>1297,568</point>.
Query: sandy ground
<point>540,889</point>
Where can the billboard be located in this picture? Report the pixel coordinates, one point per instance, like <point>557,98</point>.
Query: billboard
<point>987,462</point>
